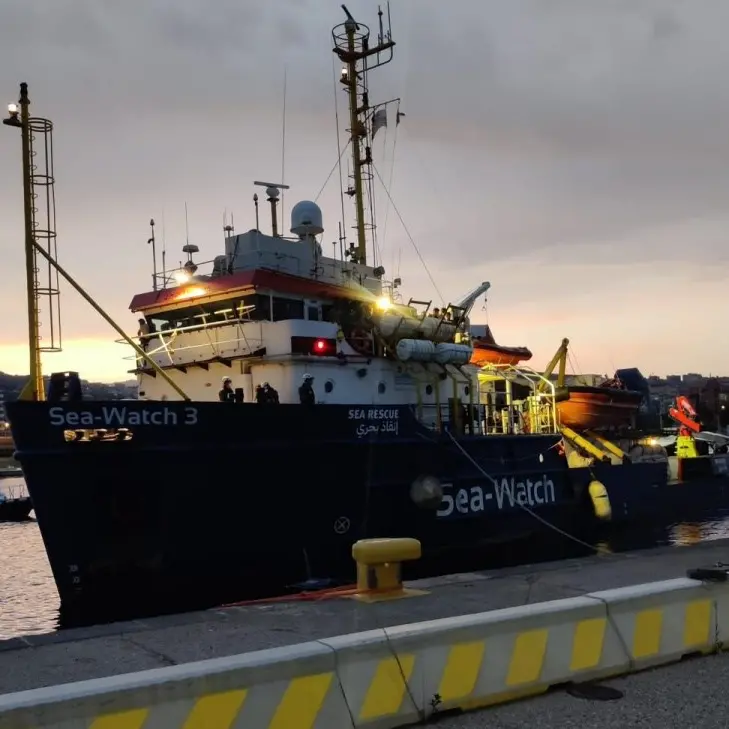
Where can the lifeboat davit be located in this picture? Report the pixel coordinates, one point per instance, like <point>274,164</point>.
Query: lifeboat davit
<point>486,351</point>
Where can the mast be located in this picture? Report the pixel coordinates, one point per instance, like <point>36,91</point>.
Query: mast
<point>36,227</point>
<point>351,45</point>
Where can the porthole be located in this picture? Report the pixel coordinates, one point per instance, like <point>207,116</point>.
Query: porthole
<point>429,389</point>
<point>466,390</point>
<point>328,386</point>
<point>381,388</point>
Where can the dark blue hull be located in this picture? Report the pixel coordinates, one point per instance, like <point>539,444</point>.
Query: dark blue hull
<point>208,503</point>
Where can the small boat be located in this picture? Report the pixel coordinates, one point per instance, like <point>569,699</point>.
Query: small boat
<point>11,471</point>
<point>608,405</point>
<point>486,351</point>
<point>15,508</point>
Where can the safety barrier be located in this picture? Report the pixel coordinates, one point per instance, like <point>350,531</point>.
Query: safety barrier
<point>389,678</point>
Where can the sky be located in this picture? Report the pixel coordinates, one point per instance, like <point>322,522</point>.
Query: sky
<point>574,153</point>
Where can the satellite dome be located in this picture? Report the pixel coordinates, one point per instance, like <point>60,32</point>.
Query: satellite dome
<point>306,219</point>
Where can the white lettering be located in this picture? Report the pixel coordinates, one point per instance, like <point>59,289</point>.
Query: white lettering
<point>119,417</point>
<point>190,416</point>
<point>376,420</point>
<point>508,493</point>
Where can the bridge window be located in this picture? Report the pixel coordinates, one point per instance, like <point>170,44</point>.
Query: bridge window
<point>287,309</point>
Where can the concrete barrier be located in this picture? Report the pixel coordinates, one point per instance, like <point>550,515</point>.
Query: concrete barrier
<point>389,678</point>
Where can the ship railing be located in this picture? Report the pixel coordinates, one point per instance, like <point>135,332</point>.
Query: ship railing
<point>166,338</point>
<point>541,407</point>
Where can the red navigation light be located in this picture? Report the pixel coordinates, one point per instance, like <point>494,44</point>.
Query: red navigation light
<point>320,346</point>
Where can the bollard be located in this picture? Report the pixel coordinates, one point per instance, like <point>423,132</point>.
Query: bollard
<point>379,568</point>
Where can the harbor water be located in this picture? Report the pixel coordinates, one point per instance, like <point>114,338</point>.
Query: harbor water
<point>29,601</point>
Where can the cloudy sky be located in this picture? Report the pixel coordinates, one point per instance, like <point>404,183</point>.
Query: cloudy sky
<point>575,153</point>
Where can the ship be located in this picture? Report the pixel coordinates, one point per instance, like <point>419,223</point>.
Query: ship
<point>290,404</point>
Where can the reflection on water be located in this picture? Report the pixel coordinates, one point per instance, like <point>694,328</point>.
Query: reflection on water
<point>28,597</point>
<point>29,602</point>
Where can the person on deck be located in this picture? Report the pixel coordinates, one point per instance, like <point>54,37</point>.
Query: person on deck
<point>226,393</point>
<point>271,394</point>
<point>307,396</point>
<point>260,395</point>
<point>143,334</point>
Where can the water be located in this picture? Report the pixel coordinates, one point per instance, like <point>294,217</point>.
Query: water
<point>29,601</point>
<point>28,597</point>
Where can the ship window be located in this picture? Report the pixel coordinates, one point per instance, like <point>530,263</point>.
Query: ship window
<point>287,309</point>
<point>429,389</point>
<point>381,388</point>
<point>328,386</point>
<point>466,390</point>
<point>312,313</point>
<point>261,310</point>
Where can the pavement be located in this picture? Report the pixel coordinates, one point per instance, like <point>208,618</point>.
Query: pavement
<point>684,695</point>
<point>105,650</point>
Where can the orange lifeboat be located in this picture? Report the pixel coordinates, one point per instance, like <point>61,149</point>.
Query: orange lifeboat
<point>608,405</point>
<point>486,351</point>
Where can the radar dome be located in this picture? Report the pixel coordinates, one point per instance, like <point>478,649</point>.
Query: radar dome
<point>306,218</point>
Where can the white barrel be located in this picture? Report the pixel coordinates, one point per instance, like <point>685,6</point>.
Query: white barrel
<point>415,350</point>
<point>455,354</point>
<point>430,327</point>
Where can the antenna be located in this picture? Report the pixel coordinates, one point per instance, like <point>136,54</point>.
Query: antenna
<point>187,228</point>
<point>352,47</point>
<point>154,255</point>
<point>228,229</point>
<point>272,193</point>
<point>283,143</point>
<point>164,252</point>
<point>255,204</point>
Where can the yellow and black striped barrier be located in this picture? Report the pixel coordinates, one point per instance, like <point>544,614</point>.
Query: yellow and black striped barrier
<point>389,678</point>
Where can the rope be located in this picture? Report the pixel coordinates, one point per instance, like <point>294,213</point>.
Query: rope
<point>529,511</point>
<point>407,232</point>
<point>338,163</point>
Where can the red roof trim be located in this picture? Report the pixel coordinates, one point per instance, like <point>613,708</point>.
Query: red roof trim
<point>198,292</point>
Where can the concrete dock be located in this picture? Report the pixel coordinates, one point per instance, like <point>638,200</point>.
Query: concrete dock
<point>105,650</point>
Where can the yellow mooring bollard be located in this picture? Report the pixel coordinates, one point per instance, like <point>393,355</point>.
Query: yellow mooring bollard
<point>379,568</point>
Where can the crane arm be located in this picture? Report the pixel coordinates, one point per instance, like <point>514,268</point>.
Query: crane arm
<point>466,304</point>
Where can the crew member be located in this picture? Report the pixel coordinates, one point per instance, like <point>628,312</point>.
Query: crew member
<point>143,334</point>
<point>270,394</point>
<point>340,341</point>
<point>226,393</point>
<point>307,396</point>
<point>260,395</point>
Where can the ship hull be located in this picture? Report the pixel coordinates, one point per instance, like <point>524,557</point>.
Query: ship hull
<point>596,407</point>
<point>210,503</point>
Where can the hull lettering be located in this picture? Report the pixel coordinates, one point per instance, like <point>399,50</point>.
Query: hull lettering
<point>375,420</point>
<point>121,417</point>
<point>505,493</point>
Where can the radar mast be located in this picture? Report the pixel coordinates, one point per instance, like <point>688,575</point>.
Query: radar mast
<point>352,47</point>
